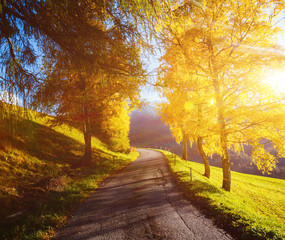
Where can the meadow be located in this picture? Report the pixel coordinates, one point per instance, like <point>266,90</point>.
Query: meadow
<point>254,209</point>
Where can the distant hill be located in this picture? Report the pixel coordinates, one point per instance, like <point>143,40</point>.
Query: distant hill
<point>148,130</point>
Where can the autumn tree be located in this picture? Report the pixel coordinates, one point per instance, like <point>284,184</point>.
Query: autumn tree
<point>78,94</point>
<point>231,44</point>
<point>189,106</point>
<point>82,89</point>
<point>26,26</point>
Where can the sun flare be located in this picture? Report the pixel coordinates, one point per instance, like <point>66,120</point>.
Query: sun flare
<point>276,81</point>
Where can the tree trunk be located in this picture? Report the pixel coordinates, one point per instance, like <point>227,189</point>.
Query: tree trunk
<point>184,143</point>
<point>200,146</point>
<point>86,121</point>
<point>221,118</point>
<point>189,156</point>
<point>224,146</point>
<point>87,140</point>
<point>204,157</point>
<point>225,163</point>
<point>87,136</point>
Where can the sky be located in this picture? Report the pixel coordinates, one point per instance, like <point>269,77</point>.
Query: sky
<point>151,62</point>
<point>149,92</point>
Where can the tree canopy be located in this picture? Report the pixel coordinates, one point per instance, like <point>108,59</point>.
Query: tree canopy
<point>229,45</point>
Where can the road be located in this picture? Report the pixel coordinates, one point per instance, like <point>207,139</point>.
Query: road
<point>140,202</point>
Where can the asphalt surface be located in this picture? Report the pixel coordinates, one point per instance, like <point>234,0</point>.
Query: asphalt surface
<point>140,202</point>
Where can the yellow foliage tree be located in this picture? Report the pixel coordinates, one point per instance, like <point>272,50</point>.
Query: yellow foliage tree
<point>115,125</point>
<point>189,107</point>
<point>231,44</point>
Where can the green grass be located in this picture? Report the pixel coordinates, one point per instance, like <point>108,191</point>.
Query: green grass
<point>254,209</point>
<point>43,176</point>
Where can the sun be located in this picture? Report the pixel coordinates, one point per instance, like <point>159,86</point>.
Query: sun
<point>212,101</point>
<point>276,80</point>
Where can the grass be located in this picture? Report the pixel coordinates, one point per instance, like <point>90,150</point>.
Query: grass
<point>254,209</point>
<point>42,176</point>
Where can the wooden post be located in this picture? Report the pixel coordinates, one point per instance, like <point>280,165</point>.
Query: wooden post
<point>190,174</point>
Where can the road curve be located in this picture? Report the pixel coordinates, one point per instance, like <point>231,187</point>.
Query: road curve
<point>140,202</point>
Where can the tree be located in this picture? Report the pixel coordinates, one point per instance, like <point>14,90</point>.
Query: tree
<point>18,74</point>
<point>78,95</point>
<point>81,89</point>
<point>186,120</point>
<point>188,109</point>
<point>231,44</point>
<point>88,40</point>
<point>26,26</point>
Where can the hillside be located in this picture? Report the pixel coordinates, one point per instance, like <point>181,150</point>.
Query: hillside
<point>43,176</point>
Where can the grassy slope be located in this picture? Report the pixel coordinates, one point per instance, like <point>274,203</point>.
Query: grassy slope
<point>254,209</point>
<point>42,176</point>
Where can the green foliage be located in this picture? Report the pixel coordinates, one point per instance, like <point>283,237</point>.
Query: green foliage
<point>253,210</point>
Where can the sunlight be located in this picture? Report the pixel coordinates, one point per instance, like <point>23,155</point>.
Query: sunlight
<point>10,98</point>
<point>276,81</point>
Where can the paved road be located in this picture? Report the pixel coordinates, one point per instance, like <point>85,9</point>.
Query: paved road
<point>141,202</point>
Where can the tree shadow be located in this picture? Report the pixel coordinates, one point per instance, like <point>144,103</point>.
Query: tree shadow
<point>198,186</point>
<point>47,144</point>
